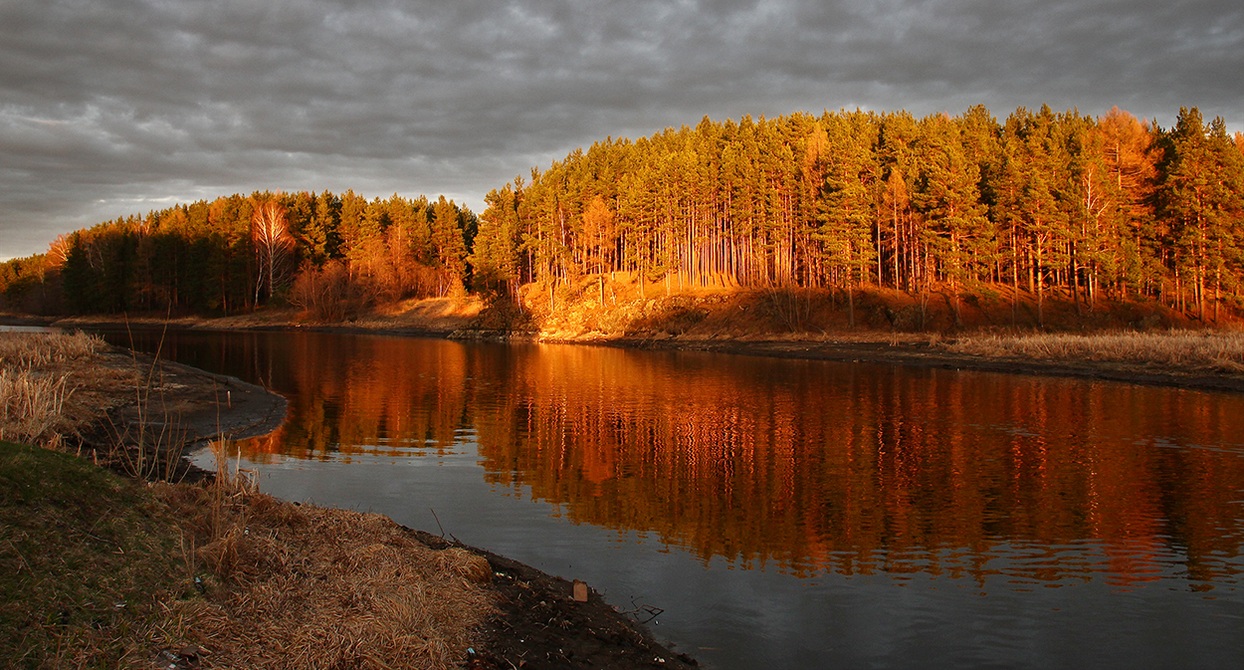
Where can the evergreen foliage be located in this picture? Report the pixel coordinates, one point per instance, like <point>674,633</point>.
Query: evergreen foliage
<point>1041,203</point>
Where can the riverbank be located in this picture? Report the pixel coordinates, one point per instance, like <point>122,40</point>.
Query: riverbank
<point>1204,361</point>
<point>215,574</point>
<point>1124,341</point>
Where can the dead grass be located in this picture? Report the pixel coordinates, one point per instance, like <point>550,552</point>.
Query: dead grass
<point>55,386</point>
<point>41,350</point>
<point>279,585</point>
<point>102,571</point>
<point>293,586</point>
<point>32,406</point>
<point>1208,351</point>
<point>39,375</point>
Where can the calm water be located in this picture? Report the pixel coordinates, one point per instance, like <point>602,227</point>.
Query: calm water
<point>788,514</point>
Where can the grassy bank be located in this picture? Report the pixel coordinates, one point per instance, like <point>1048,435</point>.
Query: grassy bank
<point>99,570</point>
<point>616,306</point>
<point>990,329</point>
<point>103,570</point>
<point>1119,339</point>
<point>86,561</point>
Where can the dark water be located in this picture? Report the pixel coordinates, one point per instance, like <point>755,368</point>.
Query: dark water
<point>789,514</point>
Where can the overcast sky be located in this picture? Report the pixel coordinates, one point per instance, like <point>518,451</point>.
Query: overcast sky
<point>123,106</point>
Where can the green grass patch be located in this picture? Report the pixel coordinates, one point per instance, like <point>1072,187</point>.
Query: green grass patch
<point>89,562</point>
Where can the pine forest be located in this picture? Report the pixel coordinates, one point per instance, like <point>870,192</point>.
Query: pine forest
<point>1041,204</point>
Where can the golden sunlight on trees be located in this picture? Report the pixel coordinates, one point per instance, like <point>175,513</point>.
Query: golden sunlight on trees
<point>1041,206</point>
<point>598,231</point>
<point>329,254</point>
<point>58,251</point>
<point>274,247</point>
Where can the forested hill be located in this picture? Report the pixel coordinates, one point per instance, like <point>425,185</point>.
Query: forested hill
<point>1041,204</point>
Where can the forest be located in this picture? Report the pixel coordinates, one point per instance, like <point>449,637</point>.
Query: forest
<point>330,254</point>
<point>1041,204</point>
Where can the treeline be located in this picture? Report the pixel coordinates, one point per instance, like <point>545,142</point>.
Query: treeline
<point>328,253</point>
<point>1042,202</point>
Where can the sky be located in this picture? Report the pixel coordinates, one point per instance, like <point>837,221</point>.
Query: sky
<point>126,106</point>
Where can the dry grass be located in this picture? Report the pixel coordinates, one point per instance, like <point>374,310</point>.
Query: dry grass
<point>39,374</point>
<point>1205,351</point>
<point>32,406</point>
<point>283,586</point>
<point>101,571</point>
<point>293,586</point>
<point>42,350</point>
<point>54,386</point>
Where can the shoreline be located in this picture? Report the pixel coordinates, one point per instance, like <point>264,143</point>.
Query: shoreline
<point>923,350</point>
<point>527,599</point>
<point>927,356</point>
<point>535,620</point>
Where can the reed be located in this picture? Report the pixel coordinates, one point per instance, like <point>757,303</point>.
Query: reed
<point>32,406</point>
<point>37,379</point>
<point>1203,351</point>
<point>40,350</point>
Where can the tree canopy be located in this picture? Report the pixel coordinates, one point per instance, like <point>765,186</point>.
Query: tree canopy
<point>238,252</point>
<point>1041,203</point>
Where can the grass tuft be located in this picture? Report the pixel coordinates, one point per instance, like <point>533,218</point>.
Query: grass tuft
<point>292,586</point>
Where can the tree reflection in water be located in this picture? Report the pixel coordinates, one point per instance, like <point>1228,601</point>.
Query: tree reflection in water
<point>803,467</point>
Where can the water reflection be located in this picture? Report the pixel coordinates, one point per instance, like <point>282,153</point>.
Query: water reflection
<point>801,467</point>
<point>813,467</point>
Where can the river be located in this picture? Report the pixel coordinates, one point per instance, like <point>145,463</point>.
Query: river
<point>786,514</point>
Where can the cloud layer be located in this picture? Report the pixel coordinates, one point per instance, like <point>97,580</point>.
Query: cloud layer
<point>114,108</point>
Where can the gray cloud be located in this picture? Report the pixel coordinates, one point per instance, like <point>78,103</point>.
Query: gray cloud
<point>108,109</point>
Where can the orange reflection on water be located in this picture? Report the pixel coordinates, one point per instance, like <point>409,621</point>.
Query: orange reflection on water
<point>803,466</point>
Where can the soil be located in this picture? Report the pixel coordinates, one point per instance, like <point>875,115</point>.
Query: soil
<point>175,410</point>
<point>542,625</point>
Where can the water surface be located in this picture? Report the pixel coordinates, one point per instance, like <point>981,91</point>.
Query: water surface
<point>788,513</point>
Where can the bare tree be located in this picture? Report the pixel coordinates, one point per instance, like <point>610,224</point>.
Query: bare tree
<point>58,251</point>
<point>274,246</point>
